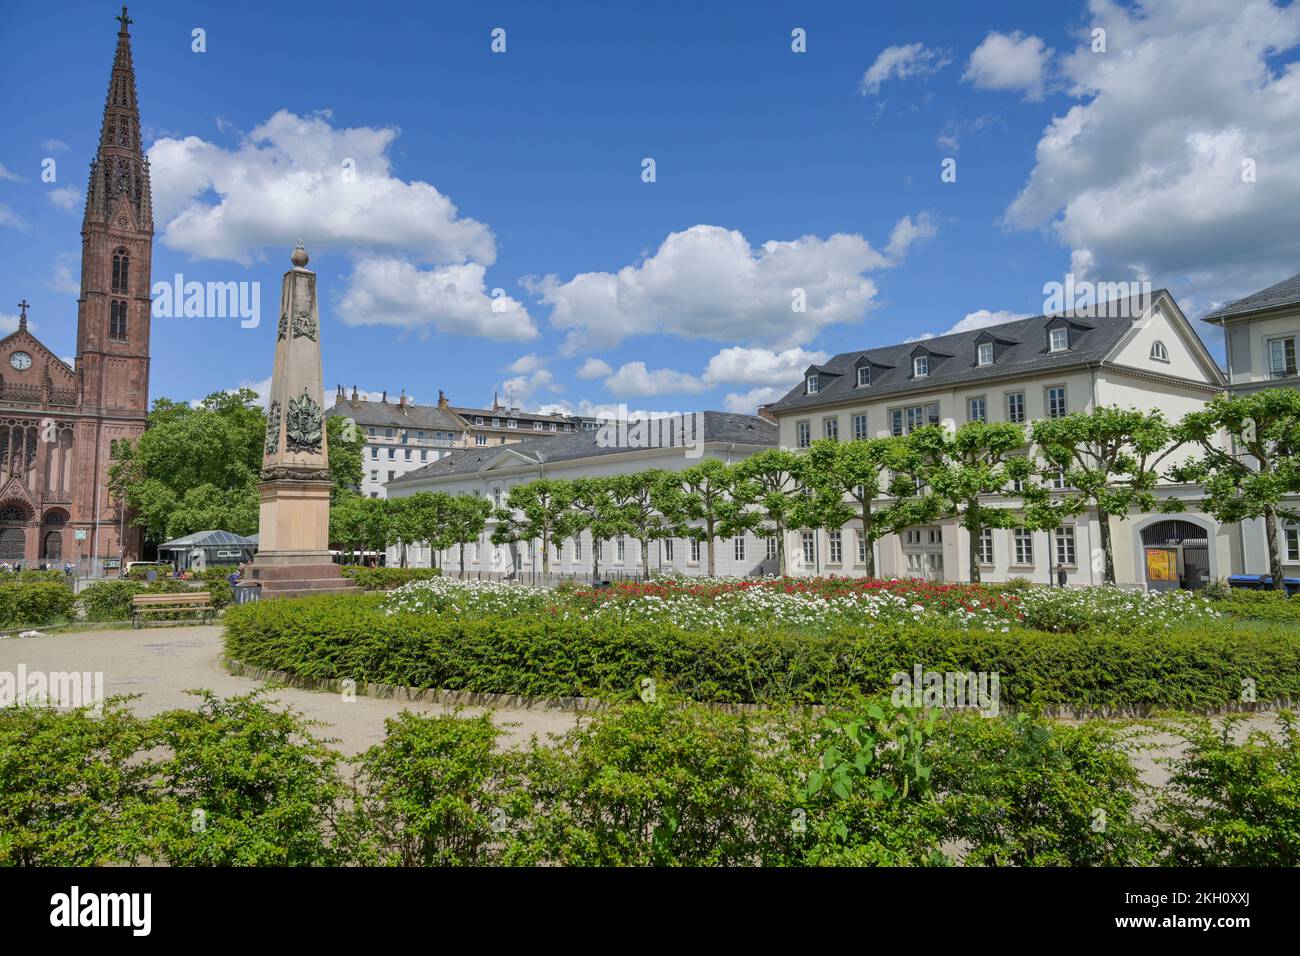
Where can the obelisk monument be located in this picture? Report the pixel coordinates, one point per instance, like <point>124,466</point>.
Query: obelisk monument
<point>293,556</point>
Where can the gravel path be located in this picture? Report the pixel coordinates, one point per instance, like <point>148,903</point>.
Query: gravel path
<point>162,663</point>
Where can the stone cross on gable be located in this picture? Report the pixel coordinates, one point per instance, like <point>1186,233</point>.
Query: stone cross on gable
<point>22,313</point>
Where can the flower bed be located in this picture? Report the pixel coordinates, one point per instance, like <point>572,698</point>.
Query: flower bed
<point>818,605</point>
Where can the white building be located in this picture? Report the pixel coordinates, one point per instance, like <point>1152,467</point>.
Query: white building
<point>398,437</point>
<point>1261,333</point>
<point>1147,357</point>
<point>492,471</point>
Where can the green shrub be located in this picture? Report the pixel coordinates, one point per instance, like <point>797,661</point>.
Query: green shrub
<point>41,602</point>
<point>241,784</point>
<point>655,784</point>
<point>111,600</point>
<point>384,579</point>
<point>1260,605</point>
<point>1020,791</point>
<point>868,798</point>
<point>540,655</point>
<point>67,781</point>
<point>1234,803</point>
<point>432,794</point>
<point>140,572</point>
<point>32,575</point>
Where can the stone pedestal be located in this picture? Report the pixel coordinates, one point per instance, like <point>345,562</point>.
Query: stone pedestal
<point>293,557</point>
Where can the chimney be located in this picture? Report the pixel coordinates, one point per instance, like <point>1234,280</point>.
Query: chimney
<point>442,399</point>
<point>385,397</point>
<point>355,399</point>
<point>401,402</point>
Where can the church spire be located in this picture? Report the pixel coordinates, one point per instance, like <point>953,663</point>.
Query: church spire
<point>119,168</point>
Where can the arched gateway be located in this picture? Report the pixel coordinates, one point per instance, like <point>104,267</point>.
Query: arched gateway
<point>1176,554</point>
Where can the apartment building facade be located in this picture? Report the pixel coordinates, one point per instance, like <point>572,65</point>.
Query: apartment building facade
<point>1261,334</point>
<point>492,471</point>
<point>1144,354</point>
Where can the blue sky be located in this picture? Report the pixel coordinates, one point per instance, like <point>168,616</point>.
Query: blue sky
<point>522,171</point>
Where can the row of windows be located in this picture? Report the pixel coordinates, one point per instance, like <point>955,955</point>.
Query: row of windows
<point>392,454</point>
<point>406,433</point>
<point>905,420</point>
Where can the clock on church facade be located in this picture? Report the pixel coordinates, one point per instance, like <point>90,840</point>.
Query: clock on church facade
<point>58,422</point>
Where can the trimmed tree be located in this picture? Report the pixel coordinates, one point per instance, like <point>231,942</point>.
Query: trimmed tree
<point>536,511</point>
<point>773,481</point>
<point>1258,472</point>
<point>594,510</point>
<point>1109,458</point>
<point>706,502</point>
<point>959,470</point>
<point>636,508</point>
<point>847,480</point>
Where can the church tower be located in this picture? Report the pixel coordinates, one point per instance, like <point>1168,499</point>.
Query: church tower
<point>113,311</point>
<point>116,246</point>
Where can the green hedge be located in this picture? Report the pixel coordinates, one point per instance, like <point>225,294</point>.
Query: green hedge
<point>1260,605</point>
<point>342,636</point>
<point>111,600</point>
<point>34,603</point>
<point>384,579</point>
<point>237,782</point>
<point>33,575</point>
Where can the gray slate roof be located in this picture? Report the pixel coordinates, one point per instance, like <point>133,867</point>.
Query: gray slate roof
<point>719,427</point>
<point>1284,293</point>
<point>391,415</point>
<point>1020,347</point>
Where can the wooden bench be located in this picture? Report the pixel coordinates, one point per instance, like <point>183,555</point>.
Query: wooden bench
<point>192,601</point>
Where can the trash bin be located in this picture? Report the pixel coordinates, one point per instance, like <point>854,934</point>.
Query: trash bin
<point>247,592</point>
<point>1249,582</point>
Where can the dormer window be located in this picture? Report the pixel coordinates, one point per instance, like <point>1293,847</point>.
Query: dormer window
<point>812,384</point>
<point>1158,352</point>
<point>920,366</point>
<point>1058,339</point>
<point>864,376</point>
<point>984,355</point>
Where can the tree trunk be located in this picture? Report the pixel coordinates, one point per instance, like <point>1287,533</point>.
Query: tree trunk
<point>780,552</point>
<point>1274,547</point>
<point>868,550</point>
<point>546,553</point>
<point>974,525</point>
<point>462,559</point>
<point>708,528</point>
<point>1107,547</point>
<point>595,558</point>
<point>973,546</point>
<point>645,558</point>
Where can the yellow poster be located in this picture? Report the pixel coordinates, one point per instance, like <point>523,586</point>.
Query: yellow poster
<point>1162,564</point>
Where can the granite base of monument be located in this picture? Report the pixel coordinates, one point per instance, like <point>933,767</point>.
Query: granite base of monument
<point>293,558</point>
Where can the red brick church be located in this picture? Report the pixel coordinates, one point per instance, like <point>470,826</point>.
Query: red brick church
<point>57,424</point>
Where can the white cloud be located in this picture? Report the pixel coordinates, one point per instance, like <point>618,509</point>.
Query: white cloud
<point>417,262</point>
<point>299,177</point>
<point>9,218</point>
<point>908,231</point>
<point>261,387</point>
<point>63,277</point>
<point>750,366</point>
<point>708,282</point>
<point>982,318</point>
<point>901,62</point>
<point>633,379</point>
<point>54,146</point>
<point>70,361</point>
<point>746,403</point>
<point>12,177</point>
<point>594,368</point>
<point>9,323</point>
<point>525,364</point>
<point>1144,175</point>
<point>67,198</point>
<point>979,319</point>
<point>450,299</point>
<point>1010,62</point>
